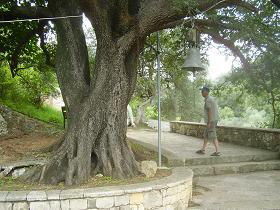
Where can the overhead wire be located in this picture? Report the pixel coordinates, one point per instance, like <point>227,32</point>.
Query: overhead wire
<point>38,19</point>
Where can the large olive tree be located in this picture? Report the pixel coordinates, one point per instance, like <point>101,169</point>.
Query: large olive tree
<point>95,141</point>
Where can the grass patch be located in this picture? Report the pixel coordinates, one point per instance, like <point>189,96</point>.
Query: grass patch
<point>44,113</point>
<point>7,182</point>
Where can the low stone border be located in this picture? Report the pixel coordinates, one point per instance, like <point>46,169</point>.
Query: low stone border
<point>173,192</point>
<point>268,139</point>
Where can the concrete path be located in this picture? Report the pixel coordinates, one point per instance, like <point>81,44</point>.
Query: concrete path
<point>182,148</point>
<point>258,190</point>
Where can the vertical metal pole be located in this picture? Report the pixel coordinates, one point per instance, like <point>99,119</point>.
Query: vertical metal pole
<point>194,106</point>
<point>158,90</point>
<point>193,83</point>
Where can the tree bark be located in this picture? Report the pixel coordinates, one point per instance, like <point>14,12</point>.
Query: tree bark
<point>95,141</point>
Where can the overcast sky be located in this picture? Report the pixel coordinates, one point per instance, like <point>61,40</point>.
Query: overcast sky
<point>219,63</point>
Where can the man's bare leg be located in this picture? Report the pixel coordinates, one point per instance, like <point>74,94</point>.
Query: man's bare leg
<point>205,144</point>
<point>202,151</point>
<point>216,144</point>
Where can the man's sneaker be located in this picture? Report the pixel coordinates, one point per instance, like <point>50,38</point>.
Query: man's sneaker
<point>216,154</point>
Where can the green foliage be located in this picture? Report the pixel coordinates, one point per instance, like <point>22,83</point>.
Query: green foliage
<point>44,113</point>
<point>249,118</point>
<point>252,98</point>
<point>252,33</point>
<point>135,103</point>
<point>8,182</point>
<point>40,85</point>
<point>226,113</point>
<point>151,112</point>
<point>108,178</point>
<point>9,88</point>
<point>262,81</point>
<point>25,93</point>
<point>30,86</point>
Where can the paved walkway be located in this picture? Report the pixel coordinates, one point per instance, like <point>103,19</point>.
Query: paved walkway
<point>181,147</point>
<point>258,190</point>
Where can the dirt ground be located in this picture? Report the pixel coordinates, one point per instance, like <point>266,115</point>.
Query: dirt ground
<point>34,146</point>
<point>25,146</point>
<point>37,144</point>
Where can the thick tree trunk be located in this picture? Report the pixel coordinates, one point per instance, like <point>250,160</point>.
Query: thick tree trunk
<point>95,141</point>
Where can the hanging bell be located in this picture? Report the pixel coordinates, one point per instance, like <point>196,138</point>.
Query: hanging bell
<point>192,61</point>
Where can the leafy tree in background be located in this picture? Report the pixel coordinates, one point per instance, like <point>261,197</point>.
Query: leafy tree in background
<point>263,81</point>
<point>29,57</point>
<point>30,85</point>
<point>95,141</point>
<point>179,92</point>
<point>257,89</point>
<point>257,84</point>
<point>239,107</point>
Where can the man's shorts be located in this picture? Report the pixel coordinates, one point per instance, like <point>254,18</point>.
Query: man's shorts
<point>210,133</point>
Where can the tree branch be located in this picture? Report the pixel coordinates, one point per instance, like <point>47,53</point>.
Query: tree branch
<point>154,15</point>
<point>199,23</point>
<point>99,15</point>
<point>229,44</point>
<point>25,13</point>
<point>72,64</point>
<point>44,48</point>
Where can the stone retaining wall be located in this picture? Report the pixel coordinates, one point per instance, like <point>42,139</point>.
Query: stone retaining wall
<point>15,123</point>
<point>254,137</point>
<point>3,126</point>
<point>173,192</point>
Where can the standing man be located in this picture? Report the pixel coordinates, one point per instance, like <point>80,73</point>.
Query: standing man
<point>211,119</point>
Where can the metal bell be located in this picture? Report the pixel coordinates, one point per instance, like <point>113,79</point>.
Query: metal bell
<point>192,61</point>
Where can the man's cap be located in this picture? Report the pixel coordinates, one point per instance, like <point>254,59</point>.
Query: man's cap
<point>205,88</point>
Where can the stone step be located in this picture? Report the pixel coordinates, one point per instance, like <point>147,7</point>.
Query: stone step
<point>234,168</point>
<point>208,160</point>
